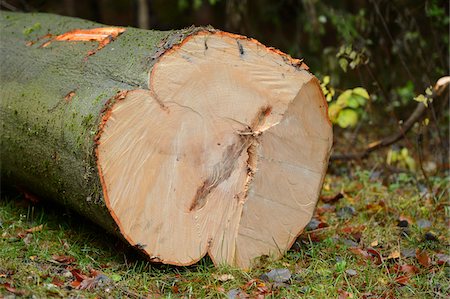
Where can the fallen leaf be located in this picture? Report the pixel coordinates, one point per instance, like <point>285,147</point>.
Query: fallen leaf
<point>63,259</point>
<point>353,229</point>
<point>277,275</point>
<point>332,199</point>
<point>374,208</point>
<point>93,282</point>
<point>360,252</point>
<point>374,243</point>
<point>75,284</point>
<point>346,212</point>
<point>408,252</point>
<point>325,208</point>
<point>13,290</point>
<point>224,277</point>
<point>407,269</point>
<point>250,283</point>
<point>403,280</point>
<point>351,272</point>
<point>394,255</point>
<point>35,229</point>
<point>348,242</point>
<point>237,294</point>
<point>423,258</point>
<point>57,282</point>
<point>377,255</point>
<point>442,259</point>
<point>313,224</point>
<point>344,294</point>
<point>175,289</point>
<point>78,275</point>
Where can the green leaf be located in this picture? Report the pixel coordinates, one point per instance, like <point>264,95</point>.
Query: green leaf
<point>343,63</point>
<point>429,91</point>
<point>353,101</point>
<point>329,97</point>
<point>347,118</point>
<point>422,99</point>
<point>326,80</point>
<point>343,98</point>
<point>360,95</point>
<point>348,49</point>
<point>362,92</point>
<point>333,112</point>
<point>116,277</point>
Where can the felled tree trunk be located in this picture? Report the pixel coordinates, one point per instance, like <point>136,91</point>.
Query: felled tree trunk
<point>186,142</point>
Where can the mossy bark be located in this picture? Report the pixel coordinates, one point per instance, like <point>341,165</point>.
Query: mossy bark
<point>53,98</point>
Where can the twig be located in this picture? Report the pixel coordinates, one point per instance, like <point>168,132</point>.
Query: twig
<point>408,124</point>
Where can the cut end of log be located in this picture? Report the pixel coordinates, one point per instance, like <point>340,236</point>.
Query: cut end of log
<point>224,154</point>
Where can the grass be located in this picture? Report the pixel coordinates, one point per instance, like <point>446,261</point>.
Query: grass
<point>339,256</point>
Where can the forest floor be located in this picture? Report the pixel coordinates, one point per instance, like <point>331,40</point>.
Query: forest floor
<point>374,235</point>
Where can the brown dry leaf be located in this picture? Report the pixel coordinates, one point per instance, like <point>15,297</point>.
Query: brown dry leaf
<point>442,259</point>
<point>344,294</point>
<point>353,229</point>
<point>57,282</point>
<point>377,255</point>
<point>403,280</point>
<point>63,259</point>
<point>78,275</point>
<point>332,199</point>
<point>423,258</point>
<point>407,269</point>
<point>92,282</point>
<point>75,284</point>
<point>360,252</point>
<point>175,289</point>
<point>374,243</point>
<point>13,290</point>
<point>325,209</point>
<point>34,229</point>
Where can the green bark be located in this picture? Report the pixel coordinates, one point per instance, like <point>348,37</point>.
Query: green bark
<point>47,142</point>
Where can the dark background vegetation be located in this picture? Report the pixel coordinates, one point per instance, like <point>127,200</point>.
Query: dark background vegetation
<point>395,50</point>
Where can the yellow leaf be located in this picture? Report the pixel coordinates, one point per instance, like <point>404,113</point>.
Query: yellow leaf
<point>394,255</point>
